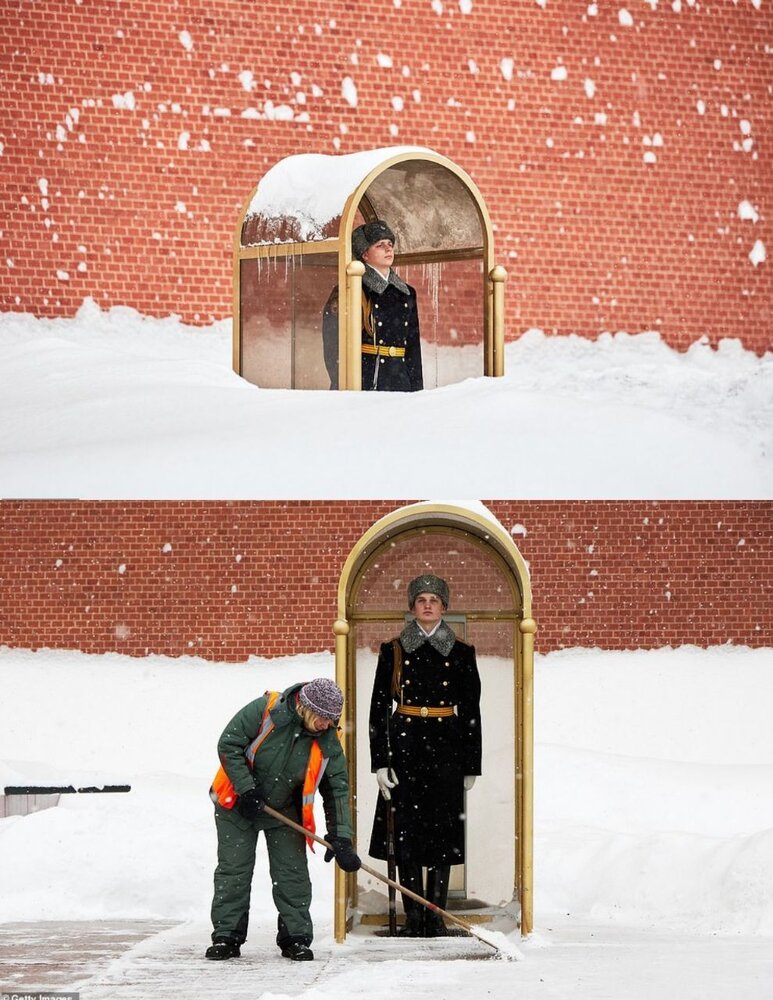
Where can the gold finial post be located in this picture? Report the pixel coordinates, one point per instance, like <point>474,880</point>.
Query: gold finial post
<point>341,632</point>
<point>528,628</point>
<point>354,272</point>
<point>498,276</point>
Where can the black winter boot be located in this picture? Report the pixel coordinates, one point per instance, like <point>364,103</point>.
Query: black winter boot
<point>222,948</point>
<point>298,952</point>
<point>437,893</point>
<point>410,877</point>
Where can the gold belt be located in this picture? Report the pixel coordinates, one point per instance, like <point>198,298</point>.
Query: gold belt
<point>425,712</point>
<point>387,352</point>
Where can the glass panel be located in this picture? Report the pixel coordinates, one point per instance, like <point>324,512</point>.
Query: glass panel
<point>315,277</point>
<point>475,581</point>
<point>491,845</point>
<point>451,302</point>
<point>265,313</point>
<point>282,301</point>
<point>427,206</point>
<point>371,893</point>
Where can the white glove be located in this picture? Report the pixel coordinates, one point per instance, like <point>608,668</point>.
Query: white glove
<point>387,779</point>
<point>469,781</point>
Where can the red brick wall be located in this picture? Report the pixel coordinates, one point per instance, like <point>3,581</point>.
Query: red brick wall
<point>244,578</point>
<point>101,200</point>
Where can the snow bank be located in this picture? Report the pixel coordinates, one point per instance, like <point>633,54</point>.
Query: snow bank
<point>114,405</point>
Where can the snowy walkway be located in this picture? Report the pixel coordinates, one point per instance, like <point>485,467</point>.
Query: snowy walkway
<point>136,960</point>
<point>52,954</point>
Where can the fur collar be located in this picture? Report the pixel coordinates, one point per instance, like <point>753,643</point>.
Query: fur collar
<point>442,640</point>
<point>377,284</point>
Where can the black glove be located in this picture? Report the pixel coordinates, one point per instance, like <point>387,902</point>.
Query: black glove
<point>341,849</point>
<point>250,804</point>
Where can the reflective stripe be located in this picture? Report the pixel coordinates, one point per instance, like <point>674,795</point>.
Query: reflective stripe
<point>265,728</point>
<point>222,791</point>
<point>314,771</point>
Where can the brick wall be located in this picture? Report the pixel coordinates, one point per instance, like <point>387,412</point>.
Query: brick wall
<point>226,580</point>
<point>613,145</point>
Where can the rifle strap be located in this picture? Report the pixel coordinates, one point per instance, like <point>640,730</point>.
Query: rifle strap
<point>397,670</point>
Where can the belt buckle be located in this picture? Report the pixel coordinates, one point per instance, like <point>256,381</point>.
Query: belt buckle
<point>424,711</point>
<point>392,351</point>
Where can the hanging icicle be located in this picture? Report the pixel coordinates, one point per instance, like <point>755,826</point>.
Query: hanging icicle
<point>432,274</point>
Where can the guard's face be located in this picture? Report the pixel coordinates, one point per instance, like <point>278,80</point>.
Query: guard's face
<point>380,255</point>
<point>428,610</point>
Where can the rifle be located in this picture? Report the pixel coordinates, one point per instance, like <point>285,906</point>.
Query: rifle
<point>390,845</point>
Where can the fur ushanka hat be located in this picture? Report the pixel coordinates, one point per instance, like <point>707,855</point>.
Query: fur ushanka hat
<point>428,584</point>
<point>365,236</point>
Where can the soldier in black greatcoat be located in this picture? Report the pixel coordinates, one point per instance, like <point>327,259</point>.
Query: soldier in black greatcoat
<point>391,347</point>
<point>425,745</point>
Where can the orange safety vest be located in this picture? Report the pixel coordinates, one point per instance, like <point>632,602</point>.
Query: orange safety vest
<point>224,794</point>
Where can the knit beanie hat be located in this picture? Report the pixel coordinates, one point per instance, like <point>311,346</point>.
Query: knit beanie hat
<point>365,236</point>
<point>428,584</point>
<point>322,697</point>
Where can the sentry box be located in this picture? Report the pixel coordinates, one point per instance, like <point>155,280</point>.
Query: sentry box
<point>292,247</point>
<point>491,609</point>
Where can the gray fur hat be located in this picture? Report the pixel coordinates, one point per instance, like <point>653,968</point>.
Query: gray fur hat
<point>428,584</point>
<point>365,236</point>
<point>323,697</point>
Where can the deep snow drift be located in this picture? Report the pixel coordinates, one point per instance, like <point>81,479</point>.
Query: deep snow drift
<point>653,827</point>
<point>114,405</point>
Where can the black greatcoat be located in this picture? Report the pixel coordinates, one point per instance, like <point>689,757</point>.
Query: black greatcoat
<point>390,318</point>
<point>430,756</point>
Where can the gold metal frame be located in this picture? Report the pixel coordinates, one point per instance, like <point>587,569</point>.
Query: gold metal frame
<point>350,370</point>
<point>491,536</point>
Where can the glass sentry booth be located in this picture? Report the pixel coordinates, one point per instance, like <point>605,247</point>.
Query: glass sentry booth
<point>292,247</point>
<point>491,608</point>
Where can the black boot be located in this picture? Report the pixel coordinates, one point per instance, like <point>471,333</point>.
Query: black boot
<point>223,948</point>
<point>437,893</point>
<point>410,877</point>
<point>297,951</point>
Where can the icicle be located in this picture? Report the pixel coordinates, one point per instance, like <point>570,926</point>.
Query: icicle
<point>432,273</point>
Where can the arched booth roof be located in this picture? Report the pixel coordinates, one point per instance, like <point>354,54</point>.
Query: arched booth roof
<point>474,519</point>
<point>431,204</point>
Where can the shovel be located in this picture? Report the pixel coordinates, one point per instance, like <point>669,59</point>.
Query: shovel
<point>494,939</point>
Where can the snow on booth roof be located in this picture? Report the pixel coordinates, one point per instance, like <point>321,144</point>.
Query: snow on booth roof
<point>301,198</point>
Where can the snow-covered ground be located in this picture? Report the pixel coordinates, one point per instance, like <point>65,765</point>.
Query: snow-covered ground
<point>117,405</point>
<point>653,829</point>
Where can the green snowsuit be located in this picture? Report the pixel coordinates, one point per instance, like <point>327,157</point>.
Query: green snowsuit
<point>280,769</point>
